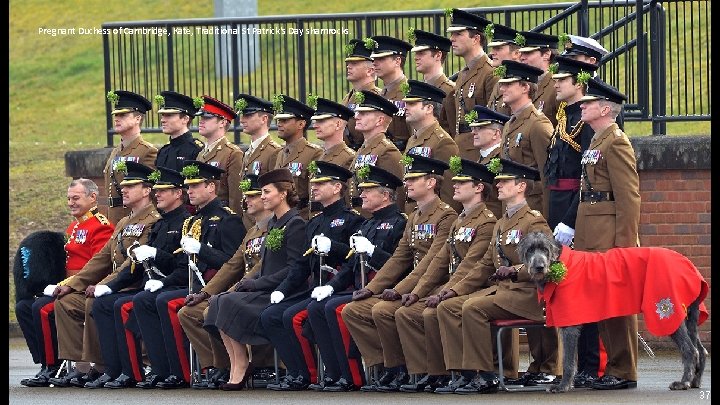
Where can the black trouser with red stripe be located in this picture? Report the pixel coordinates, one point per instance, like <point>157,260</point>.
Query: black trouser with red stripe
<point>36,317</point>
<point>110,333</point>
<point>165,342</point>
<point>283,325</point>
<point>334,340</point>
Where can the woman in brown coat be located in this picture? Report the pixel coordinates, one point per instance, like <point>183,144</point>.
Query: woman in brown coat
<point>236,315</point>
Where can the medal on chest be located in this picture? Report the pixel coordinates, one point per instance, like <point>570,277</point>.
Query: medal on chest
<point>423,151</point>
<point>590,156</point>
<point>255,168</point>
<point>133,230</point>
<point>385,225</point>
<point>295,168</point>
<point>253,245</point>
<point>119,159</point>
<point>518,138</point>
<point>81,236</point>
<point>471,90</point>
<point>464,234</point>
<point>513,236</point>
<point>214,163</point>
<point>365,160</point>
<point>401,108</point>
<point>337,222</point>
<point>424,231</point>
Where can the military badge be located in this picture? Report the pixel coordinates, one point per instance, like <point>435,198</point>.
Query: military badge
<point>81,236</point>
<point>401,108</point>
<point>214,218</point>
<point>664,308</point>
<point>365,160</point>
<point>255,168</point>
<point>385,225</point>
<point>513,236</point>
<point>295,168</point>
<point>464,234</point>
<point>337,222</point>
<point>518,138</point>
<point>471,90</point>
<point>424,231</point>
<point>540,107</point>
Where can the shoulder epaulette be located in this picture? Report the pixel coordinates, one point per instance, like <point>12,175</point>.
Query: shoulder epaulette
<point>229,210</point>
<point>387,141</point>
<point>146,143</point>
<point>316,214</point>
<point>274,144</point>
<point>488,213</point>
<point>312,145</point>
<point>198,143</point>
<point>536,213</point>
<point>102,218</point>
<point>618,132</point>
<point>354,211</point>
<point>404,215</point>
<point>233,146</point>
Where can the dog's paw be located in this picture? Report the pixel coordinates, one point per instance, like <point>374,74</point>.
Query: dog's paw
<point>558,388</point>
<point>679,385</point>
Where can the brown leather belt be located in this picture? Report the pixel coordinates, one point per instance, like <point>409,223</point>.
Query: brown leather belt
<point>596,196</point>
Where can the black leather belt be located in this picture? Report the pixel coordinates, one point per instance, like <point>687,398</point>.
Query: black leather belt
<point>356,201</point>
<point>115,202</point>
<point>463,128</point>
<point>596,196</point>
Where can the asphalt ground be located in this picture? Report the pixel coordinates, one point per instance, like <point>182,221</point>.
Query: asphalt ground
<point>655,375</point>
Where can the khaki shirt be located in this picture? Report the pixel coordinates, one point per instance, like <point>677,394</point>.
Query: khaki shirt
<point>138,151</point>
<point>467,242</point>
<point>297,157</point>
<point>229,157</point>
<point>105,265</point>
<point>425,234</point>
<point>609,165</point>
<point>545,99</point>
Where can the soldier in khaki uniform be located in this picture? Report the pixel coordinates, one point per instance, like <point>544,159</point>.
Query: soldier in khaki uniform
<point>259,158</point>
<point>431,50</point>
<point>539,50</point>
<point>128,114</point>
<point>423,108</point>
<point>215,118</point>
<point>245,262</point>
<point>293,120</point>
<point>513,297</point>
<point>501,46</point>
<point>372,117</point>
<point>389,58</point>
<point>475,81</point>
<point>527,135</point>
<point>329,121</point>
<point>468,238</point>
<point>360,72</point>
<point>487,126</point>
<point>608,216</point>
<point>75,295</point>
<point>370,317</point>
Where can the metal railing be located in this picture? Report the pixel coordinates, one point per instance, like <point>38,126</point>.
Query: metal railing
<point>660,60</point>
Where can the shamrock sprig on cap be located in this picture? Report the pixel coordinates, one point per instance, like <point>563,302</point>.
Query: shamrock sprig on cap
<point>448,11</point>
<point>191,171</point>
<point>349,49</point>
<point>406,160</point>
<point>363,172</point>
<point>312,100</point>
<point>494,165</point>
<point>198,102</point>
<point>564,41</point>
<point>120,167</point>
<point>159,100</point>
<point>520,39</point>
<point>113,97</point>
<point>154,176</point>
<point>370,43</point>
<point>241,104</point>
<point>500,71</point>
<point>411,34</point>
<point>583,77</point>
<point>471,117</point>
<point>455,164</point>
<point>489,31</point>
<point>244,185</point>
<point>553,68</point>
<point>405,88</point>
<point>277,102</point>
<point>359,97</point>
<point>313,167</point>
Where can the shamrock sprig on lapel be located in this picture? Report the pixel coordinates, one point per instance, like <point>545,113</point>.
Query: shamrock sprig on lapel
<point>274,239</point>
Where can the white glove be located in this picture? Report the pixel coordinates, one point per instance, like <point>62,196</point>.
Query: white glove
<point>190,245</point>
<point>102,289</point>
<point>361,244</point>
<point>321,243</point>
<point>322,292</point>
<point>144,252</point>
<point>276,297</point>
<point>153,285</point>
<point>564,234</point>
<point>48,291</point>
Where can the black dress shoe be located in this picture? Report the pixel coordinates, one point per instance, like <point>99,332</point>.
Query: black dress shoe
<point>421,384</point>
<point>402,378</point>
<point>610,382</point>
<point>385,379</point>
<point>123,381</point>
<point>24,381</point>
<point>99,382</point>
<point>42,379</point>
<point>284,380</point>
<point>65,380</point>
<point>441,381</point>
<point>150,381</point>
<point>327,381</point>
<point>341,385</point>
<point>172,382</point>
<point>262,377</point>
<point>452,386</point>
<point>584,379</point>
<point>80,381</point>
<point>481,384</point>
<point>297,384</point>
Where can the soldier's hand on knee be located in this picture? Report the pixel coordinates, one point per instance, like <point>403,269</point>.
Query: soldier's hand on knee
<point>447,294</point>
<point>432,301</point>
<point>61,291</point>
<point>194,299</point>
<point>390,295</point>
<point>361,294</point>
<point>90,291</point>
<point>409,299</point>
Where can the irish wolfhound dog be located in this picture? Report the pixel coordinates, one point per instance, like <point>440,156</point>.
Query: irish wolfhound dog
<point>662,284</point>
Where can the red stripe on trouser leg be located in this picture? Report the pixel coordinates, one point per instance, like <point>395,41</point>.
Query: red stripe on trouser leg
<point>345,333</point>
<point>173,308</point>
<point>603,358</point>
<point>125,310</point>
<point>45,312</point>
<point>307,349</point>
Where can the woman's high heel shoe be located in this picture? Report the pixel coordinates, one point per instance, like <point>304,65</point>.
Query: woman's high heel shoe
<point>247,378</point>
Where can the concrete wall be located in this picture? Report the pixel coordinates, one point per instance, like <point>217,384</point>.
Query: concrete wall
<point>674,187</point>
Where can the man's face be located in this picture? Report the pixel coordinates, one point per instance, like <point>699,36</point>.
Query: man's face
<point>415,111</point>
<point>367,120</point>
<point>125,122</point>
<point>591,111</point>
<point>512,92</point>
<point>500,53</point>
<point>326,127</point>
<point>253,123</point>
<point>134,193</point>
<point>507,189</point>
<point>425,61</point>
<point>565,89</point>
<point>358,70</point>
<point>485,136</point>
<point>323,192</point>
<point>173,123</point>
<point>200,193</point>
<point>533,58</point>
<point>386,65</point>
<point>461,42</point>
<point>418,187</point>
<point>78,202</point>
<point>288,128</point>
<point>463,191</point>
<point>167,197</point>
<point>254,204</point>
<point>207,127</point>
<point>584,58</point>
<point>373,198</point>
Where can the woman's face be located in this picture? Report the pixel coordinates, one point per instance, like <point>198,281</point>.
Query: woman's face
<point>271,197</point>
